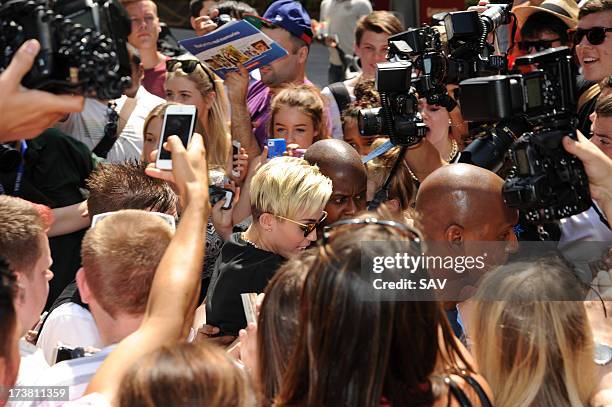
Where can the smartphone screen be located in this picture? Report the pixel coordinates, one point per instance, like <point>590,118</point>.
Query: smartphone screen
<point>176,125</point>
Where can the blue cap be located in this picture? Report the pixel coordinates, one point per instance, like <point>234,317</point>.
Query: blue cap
<point>287,14</point>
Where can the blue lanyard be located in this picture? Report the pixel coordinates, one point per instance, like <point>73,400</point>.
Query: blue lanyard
<point>20,171</point>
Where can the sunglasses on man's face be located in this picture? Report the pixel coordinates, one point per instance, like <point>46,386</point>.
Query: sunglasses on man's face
<point>539,45</point>
<point>594,35</point>
<point>307,228</point>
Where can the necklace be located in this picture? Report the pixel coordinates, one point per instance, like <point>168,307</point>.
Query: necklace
<point>454,148</point>
<point>243,236</point>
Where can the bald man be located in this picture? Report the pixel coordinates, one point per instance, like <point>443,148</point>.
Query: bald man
<point>458,207</point>
<point>461,203</point>
<point>342,164</point>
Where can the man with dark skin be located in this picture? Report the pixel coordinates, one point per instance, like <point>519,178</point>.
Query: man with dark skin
<point>460,206</point>
<point>340,162</point>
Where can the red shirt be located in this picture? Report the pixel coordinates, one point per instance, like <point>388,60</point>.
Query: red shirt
<point>155,78</point>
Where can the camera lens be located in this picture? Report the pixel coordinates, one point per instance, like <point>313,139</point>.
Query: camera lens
<point>370,122</point>
<point>9,158</point>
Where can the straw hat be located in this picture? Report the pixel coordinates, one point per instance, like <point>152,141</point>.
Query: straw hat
<point>566,10</point>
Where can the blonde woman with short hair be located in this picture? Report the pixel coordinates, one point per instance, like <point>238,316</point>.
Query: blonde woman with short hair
<point>287,197</point>
<point>532,339</point>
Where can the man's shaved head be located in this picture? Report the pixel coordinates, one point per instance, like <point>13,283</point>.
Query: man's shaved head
<point>460,207</point>
<point>461,194</point>
<point>342,164</point>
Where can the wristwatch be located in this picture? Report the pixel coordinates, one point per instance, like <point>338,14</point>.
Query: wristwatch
<point>603,354</point>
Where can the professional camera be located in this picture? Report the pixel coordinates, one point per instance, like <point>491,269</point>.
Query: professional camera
<point>83,44</point>
<point>463,54</point>
<point>398,115</point>
<point>225,16</point>
<point>424,47</point>
<point>466,34</point>
<point>546,182</point>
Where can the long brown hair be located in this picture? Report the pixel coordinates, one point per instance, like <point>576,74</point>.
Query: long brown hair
<point>354,348</point>
<point>277,324</point>
<point>309,101</point>
<point>186,374</point>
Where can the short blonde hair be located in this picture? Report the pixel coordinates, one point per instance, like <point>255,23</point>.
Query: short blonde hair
<point>120,255</point>
<point>286,186</point>
<point>23,224</point>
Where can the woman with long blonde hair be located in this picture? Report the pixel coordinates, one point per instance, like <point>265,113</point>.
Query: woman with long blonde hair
<point>532,338</point>
<point>191,82</point>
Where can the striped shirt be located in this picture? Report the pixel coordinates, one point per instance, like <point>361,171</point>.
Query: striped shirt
<point>75,373</point>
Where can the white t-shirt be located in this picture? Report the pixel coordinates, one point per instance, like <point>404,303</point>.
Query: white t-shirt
<point>581,228</point>
<point>341,17</point>
<point>70,324</point>
<point>334,112</point>
<point>88,125</point>
<point>32,364</point>
<point>75,373</point>
<point>90,400</point>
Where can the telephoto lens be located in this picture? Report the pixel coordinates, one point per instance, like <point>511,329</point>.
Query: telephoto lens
<point>370,122</point>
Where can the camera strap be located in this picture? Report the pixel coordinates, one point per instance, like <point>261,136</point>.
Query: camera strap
<point>20,172</point>
<point>341,95</point>
<point>602,218</point>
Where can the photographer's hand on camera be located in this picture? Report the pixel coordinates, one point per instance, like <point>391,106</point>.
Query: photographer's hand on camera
<point>25,113</point>
<point>598,168</point>
<point>205,24</point>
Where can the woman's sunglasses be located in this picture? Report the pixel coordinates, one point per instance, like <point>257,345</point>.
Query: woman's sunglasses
<point>307,228</point>
<point>595,35</point>
<point>188,66</point>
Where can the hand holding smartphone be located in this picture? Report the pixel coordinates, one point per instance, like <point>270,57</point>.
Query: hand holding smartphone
<point>179,120</point>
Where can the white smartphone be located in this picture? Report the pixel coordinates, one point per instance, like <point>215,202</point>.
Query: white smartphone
<point>179,120</point>
<point>235,150</point>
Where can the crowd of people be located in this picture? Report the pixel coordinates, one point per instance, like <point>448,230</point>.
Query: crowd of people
<point>123,284</point>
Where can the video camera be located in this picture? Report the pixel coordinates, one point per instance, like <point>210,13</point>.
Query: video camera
<point>463,54</point>
<point>83,44</point>
<point>398,115</point>
<point>546,182</point>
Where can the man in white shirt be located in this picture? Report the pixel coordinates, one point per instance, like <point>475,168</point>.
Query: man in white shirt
<point>24,245</point>
<point>120,255</point>
<point>112,187</point>
<point>340,19</point>
<point>133,108</point>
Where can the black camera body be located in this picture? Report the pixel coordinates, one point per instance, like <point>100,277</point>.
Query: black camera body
<point>546,182</point>
<point>540,96</point>
<point>398,115</point>
<point>83,44</point>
